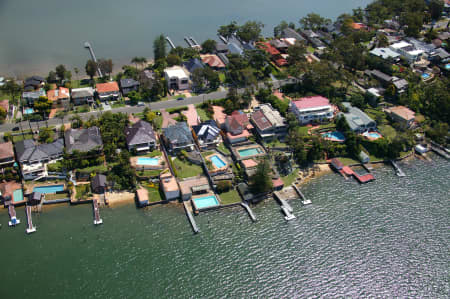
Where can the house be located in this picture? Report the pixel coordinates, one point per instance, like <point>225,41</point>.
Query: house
<point>438,55</point>
<point>401,85</point>
<point>403,115</point>
<point>194,186</point>
<point>291,33</point>
<point>234,48</point>
<point>213,61</point>
<point>140,137</point>
<point>385,53</point>
<point>108,91</point>
<point>83,140</point>
<point>169,186</point>
<point>81,96</point>
<point>312,109</point>
<point>192,64</point>
<point>98,184</point>
<point>33,83</point>
<point>34,198</point>
<point>223,57</point>
<point>273,52</point>
<point>280,45</point>
<point>237,126</point>
<point>31,96</point>
<point>59,97</point>
<point>207,134</point>
<point>176,78</point>
<point>407,51</point>
<point>33,157</point>
<point>363,157</point>
<point>8,194</point>
<point>6,154</point>
<point>146,79</point>
<point>380,76</point>
<point>268,122</point>
<point>128,85</point>
<point>358,121</point>
<point>221,48</point>
<point>178,137</point>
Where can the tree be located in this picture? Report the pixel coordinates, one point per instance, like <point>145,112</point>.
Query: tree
<point>134,97</point>
<point>136,61</point>
<point>61,72</point>
<point>209,46</point>
<point>313,21</point>
<point>250,31</point>
<point>76,122</point>
<point>277,30</point>
<point>296,53</point>
<point>261,181</point>
<point>382,40</point>
<point>436,7</point>
<point>159,47</point>
<point>173,59</point>
<point>413,22</point>
<point>105,65</point>
<point>46,135</point>
<point>91,68</point>
<point>228,30</point>
<point>2,115</point>
<point>12,88</point>
<point>51,78</point>
<point>43,106</point>
<point>341,124</point>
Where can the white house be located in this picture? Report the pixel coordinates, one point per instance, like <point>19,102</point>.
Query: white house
<point>312,109</point>
<point>177,78</point>
<point>407,51</point>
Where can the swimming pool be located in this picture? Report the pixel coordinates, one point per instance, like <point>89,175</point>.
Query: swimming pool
<point>28,110</point>
<point>205,202</point>
<point>374,135</point>
<point>148,161</point>
<point>17,195</point>
<point>49,189</point>
<point>218,163</point>
<point>425,76</point>
<point>250,152</point>
<point>338,136</point>
<point>447,66</point>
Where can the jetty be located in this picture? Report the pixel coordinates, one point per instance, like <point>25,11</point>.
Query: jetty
<point>188,41</point>
<point>398,170</point>
<point>97,219</point>
<point>191,218</point>
<point>302,196</point>
<point>194,41</point>
<point>30,227</point>
<point>286,208</point>
<point>438,150</point>
<point>360,178</point>
<point>169,41</point>
<point>88,46</point>
<point>12,215</point>
<point>249,211</point>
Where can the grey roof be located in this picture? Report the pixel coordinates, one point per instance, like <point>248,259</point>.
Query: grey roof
<point>193,64</point>
<point>400,83</point>
<point>28,151</point>
<point>83,140</point>
<point>317,42</point>
<point>291,33</point>
<point>356,118</point>
<point>33,94</point>
<point>221,47</point>
<point>278,43</point>
<point>140,132</point>
<point>235,49</point>
<point>380,75</point>
<point>178,133</point>
<point>148,74</point>
<point>420,45</point>
<point>35,196</point>
<point>223,57</point>
<point>207,130</point>
<point>124,83</point>
<point>441,53</point>
<point>82,92</point>
<point>384,53</point>
<point>99,180</point>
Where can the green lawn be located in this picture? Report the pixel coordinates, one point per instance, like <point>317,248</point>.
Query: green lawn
<point>153,194</point>
<point>202,114</point>
<point>230,197</point>
<point>348,161</point>
<point>54,167</point>
<point>207,153</point>
<point>82,190</point>
<point>22,137</point>
<point>154,153</point>
<point>148,173</point>
<point>118,105</point>
<point>387,131</point>
<point>303,130</point>
<point>95,168</point>
<point>289,179</point>
<point>222,77</point>
<point>310,49</point>
<point>277,143</point>
<point>158,122</point>
<point>185,169</point>
<point>223,148</point>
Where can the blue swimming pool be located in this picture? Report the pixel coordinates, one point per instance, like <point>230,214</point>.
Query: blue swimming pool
<point>205,202</point>
<point>334,136</point>
<point>374,135</point>
<point>447,66</point>
<point>148,161</point>
<point>425,76</point>
<point>17,195</point>
<point>49,189</point>
<point>28,110</point>
<point>250,152</point>
<point>218,163</point>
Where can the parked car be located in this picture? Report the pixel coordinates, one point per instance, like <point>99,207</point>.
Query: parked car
<point>141,104</point>
<point>180,99</point>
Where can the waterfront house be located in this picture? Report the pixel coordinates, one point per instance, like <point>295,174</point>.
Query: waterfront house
<point>33,83</point>
<point>280,45</point>
<point>193,64</point>
<point>237,126</point>
<point>128,85</point>
<point>140,137</point>
<point>269,123</point>
<point>177,78</point>
<point>213,61</point>
<point>98,184</point>
<point>358,121</point>
<point>193,186</point>
<point>178,137</point>
<point>81,96</point>
<point>402,115</point>
<point>59,97</point>
<point>207,134</point>
<point>221,48</point>
<point>273,52</point>
<point>224,58</point>
<point>35,198</point>
<point>312,109</point>
<point>146,79</point>
<point>234,48</point>
<point>169,186</point>
<point>108,91</point>
<point>83,140</point>
<point>33,157</point>
<point>291,33</point>
<point>6,154</point>
<point>31,96</point>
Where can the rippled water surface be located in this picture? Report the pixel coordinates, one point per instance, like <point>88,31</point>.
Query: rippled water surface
<point>388,238</point>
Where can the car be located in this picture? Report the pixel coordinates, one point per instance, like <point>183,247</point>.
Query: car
<point>180,99</point>
<point>15,129</point>
<point>140,104</point>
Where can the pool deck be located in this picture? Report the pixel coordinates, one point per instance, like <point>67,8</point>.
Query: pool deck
<point>221,157</point>
<point>238,156</point>
<point>135,165</point>
<point>205,195</point>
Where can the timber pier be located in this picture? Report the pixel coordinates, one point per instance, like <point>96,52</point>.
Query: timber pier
<point>12,215</point>
<point>191,218</point>
<point>302,197</point>
<point>88,46</point>
<point>169,41</point>
<point>30,227</point>
<point>249,211</point>
<point>398,170</point>
<point>286,208</point>
<point>97,219</point>
<point>438,150</point>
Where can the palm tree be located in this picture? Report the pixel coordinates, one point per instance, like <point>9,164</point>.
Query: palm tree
<point>143,60</point>
<point>136,60</point>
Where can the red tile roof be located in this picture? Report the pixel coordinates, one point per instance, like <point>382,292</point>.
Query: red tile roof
<point>281,62</point>
<point>6,150</point>
<point>249,163</point>
<point>261,120</point>
<point>107,87</point>
<point>277,183</point>
<point>212,61</point>
<point>268,48</point>
<point>56,94</point>
<point>311,102</point>
<point>240,117</point>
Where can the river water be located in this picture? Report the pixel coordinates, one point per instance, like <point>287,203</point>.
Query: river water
<point>37,35</point>
<point>388,238</point>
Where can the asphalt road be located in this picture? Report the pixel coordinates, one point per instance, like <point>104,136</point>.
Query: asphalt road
<point>133,109</point>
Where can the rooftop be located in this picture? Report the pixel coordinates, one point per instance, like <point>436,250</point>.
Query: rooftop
<point>83,140</point>
<point>311,102</point>
<point>403,112</point>
<point>57,94</point>
<point>6,150</point>
<point>107,87</point>
<point>124,83</point>
<point>175,72</point>
<point>168,182</point>
<point>140,132</point>
<point>212,60</point>
<point>82,92</point>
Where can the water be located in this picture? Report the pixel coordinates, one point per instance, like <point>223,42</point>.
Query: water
<point>218,163</point>
<point>249,152</point>
<point>38,35</point>
<point>206,202</point>
<point>148,161</point>
<point>49,189</point>
<point>387,238</point>
<point>28,110</point>
<point>338,136</point>
<point>17,195</point>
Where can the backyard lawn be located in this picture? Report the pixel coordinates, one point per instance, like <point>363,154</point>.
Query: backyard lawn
<point>154,153</point>
<point>153,194</point>
<point>56,196</point>
<point>289,179</point>
<point>230,197</point>
<point>223,149</point>
<point>96,168</point>
<point>387,131</point>
<point>82,190</point>
<point>186,169</point>
<point>148,173</point>
<point>303,130</point>
<point>202,114</point>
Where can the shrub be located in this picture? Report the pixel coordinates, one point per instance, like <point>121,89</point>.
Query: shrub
<point>223,186</point>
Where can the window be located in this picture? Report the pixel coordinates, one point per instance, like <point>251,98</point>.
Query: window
<point>184,81</point>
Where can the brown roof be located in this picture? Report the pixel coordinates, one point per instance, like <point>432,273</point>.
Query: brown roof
<point>107,87</point>
<point>186,185</point>
<point>8,188</point>
<point>5,105</point>
<point>212,60</point>
<point>249,163</point>
<point>6,150</point>
<point>261,120</point>
<point>168,182</point>
<point>403,112</point>
<point>56,94</point>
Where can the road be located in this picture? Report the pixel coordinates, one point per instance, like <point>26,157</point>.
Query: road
<point>135,109</point>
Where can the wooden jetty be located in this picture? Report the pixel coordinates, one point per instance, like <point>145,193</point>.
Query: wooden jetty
<point>249,211</point>
<point>302,197</point>
<point>191,218</point>
<point>398,171</point>
<point>225,41</point>
<point>188,41</point>
<point>360,178</point>
<point>286,208</point>
<point>12,215</point>
<point>30,227</point>
<point>169,41</point>
<point>97,219</point>
<point>194,41</point>
<point>88,46</point>
<point>438,150</point>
